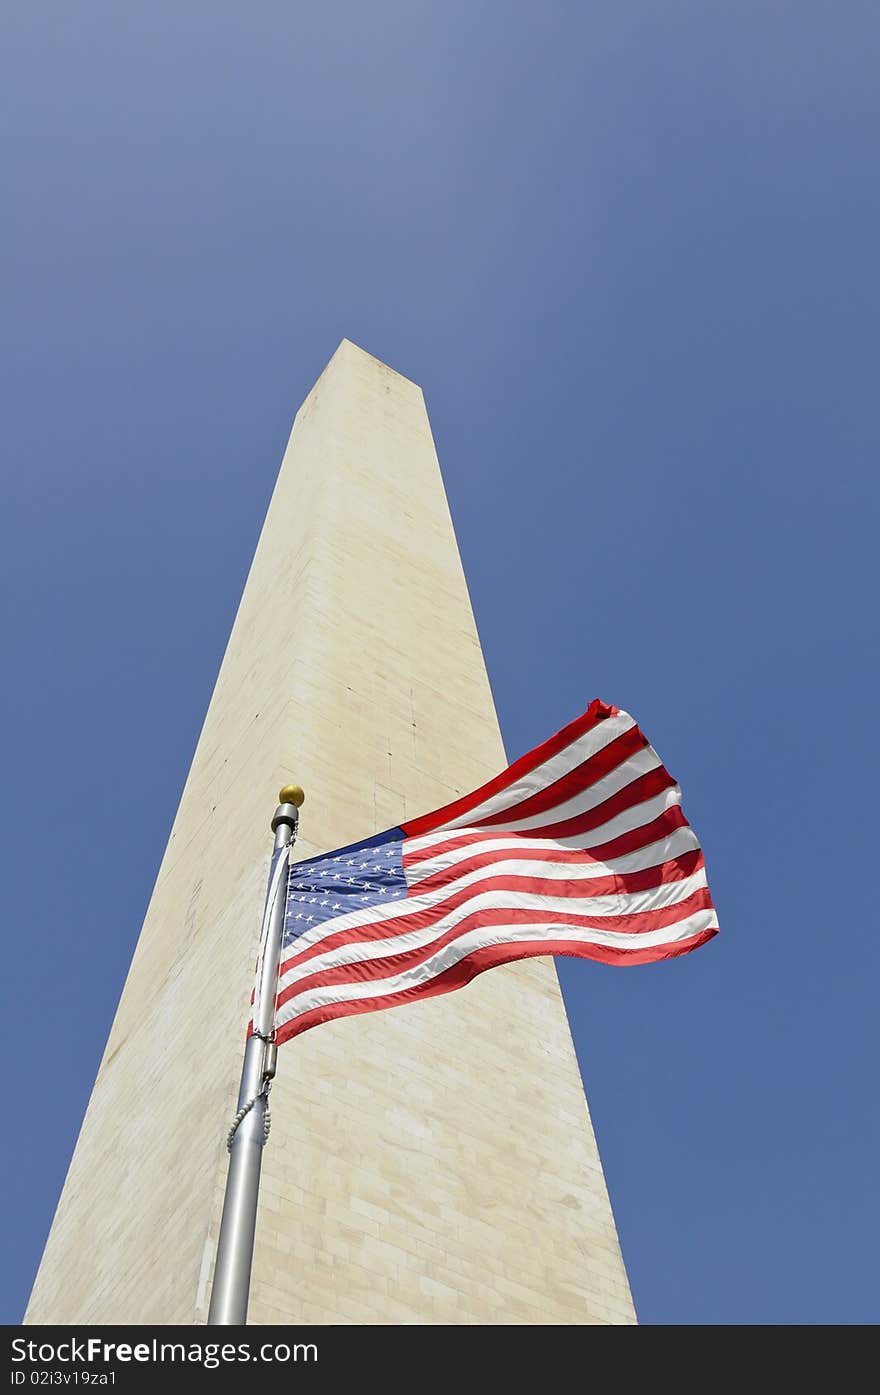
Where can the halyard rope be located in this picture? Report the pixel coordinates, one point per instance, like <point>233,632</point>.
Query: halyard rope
<point>262,1093</point>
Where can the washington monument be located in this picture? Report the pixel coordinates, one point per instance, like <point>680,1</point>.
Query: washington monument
<point>430,1164</point>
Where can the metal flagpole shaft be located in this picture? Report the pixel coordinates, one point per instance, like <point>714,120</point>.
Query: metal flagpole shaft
<point>235,1247</point>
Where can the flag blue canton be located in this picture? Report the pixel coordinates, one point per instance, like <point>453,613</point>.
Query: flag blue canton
<point>365,874</point>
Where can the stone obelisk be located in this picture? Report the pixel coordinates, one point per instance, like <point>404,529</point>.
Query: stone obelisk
<point>430,1164</point>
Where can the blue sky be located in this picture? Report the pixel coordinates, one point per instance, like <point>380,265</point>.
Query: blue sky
<point>629,251</point>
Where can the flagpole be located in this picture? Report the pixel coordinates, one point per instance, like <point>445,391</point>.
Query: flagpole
<point>235,1247</point>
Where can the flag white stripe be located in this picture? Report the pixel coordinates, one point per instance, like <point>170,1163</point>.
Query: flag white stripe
<point>675,844</point>
<point>617,779</point>
<point>451,954</point>
<point>625,822</point>
<point>392,910</point>
<point>617,903</point>
<point>578,751</point>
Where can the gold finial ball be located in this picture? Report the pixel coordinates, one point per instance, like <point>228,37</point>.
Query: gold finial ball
<point>291,794</point>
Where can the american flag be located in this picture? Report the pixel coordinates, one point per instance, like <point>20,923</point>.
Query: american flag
<point>579,848</point>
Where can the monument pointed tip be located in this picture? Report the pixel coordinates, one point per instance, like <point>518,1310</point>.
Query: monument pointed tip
<point>347,345</point>
<point>347,348</point>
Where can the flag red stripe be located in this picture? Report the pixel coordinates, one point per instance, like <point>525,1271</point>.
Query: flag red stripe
<point>642,837</point>
<point>645,787</point>
<point>489,958</point>
<point>595,713</point>
<point>636,923</point>
<point>671,870</point>
<point>410,918</point>
<point>573,782</point>
<point>633,841</point>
